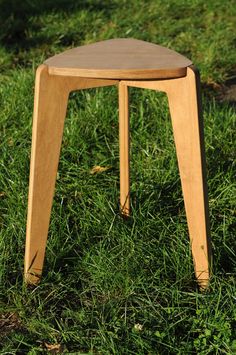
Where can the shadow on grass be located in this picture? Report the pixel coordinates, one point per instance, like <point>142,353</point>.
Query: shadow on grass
<point>224,93</point>
<point>15,16</point>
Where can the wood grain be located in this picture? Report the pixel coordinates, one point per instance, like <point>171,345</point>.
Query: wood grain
<point>124,149</point>
<point>185,108</point>
<point>51,95</point>
<point>132,63</point>
<point>121,58</point>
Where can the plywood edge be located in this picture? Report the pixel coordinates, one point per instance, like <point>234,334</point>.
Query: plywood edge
<point>120,74</point>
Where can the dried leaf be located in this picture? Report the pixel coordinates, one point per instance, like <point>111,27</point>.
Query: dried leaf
<point>99,169</point>
<point>54,348</point>
<point>8,323</point>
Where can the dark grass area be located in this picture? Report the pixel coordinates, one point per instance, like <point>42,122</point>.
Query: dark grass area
<point>114,286</point>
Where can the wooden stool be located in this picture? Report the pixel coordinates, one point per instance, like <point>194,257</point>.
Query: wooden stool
<point>121,62</point>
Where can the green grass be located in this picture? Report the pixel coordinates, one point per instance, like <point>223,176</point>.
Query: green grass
<point>114,286</point>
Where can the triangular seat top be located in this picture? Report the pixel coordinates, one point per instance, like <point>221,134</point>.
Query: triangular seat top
<point>121,58</point>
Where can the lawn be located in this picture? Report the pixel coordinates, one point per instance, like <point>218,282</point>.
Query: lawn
<point>115,286</point>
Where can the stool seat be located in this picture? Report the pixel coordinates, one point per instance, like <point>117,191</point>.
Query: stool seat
<point>122,58</point>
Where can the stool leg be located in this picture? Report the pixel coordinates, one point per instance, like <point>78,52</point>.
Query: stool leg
<point>184,102</point>
<point>124,149</point>
<point>49,113</point>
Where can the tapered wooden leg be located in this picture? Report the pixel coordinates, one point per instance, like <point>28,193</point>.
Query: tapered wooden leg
<point>51,96</point>
<point>124,149</point>
<point>185,109</point>
<point>49,114</point>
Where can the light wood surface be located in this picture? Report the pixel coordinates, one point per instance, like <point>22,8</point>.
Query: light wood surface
<point>185,108</point>
<point>51,95</point>
<point>122,58</point>
<point>130,62</point>
<point>124,149</point>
